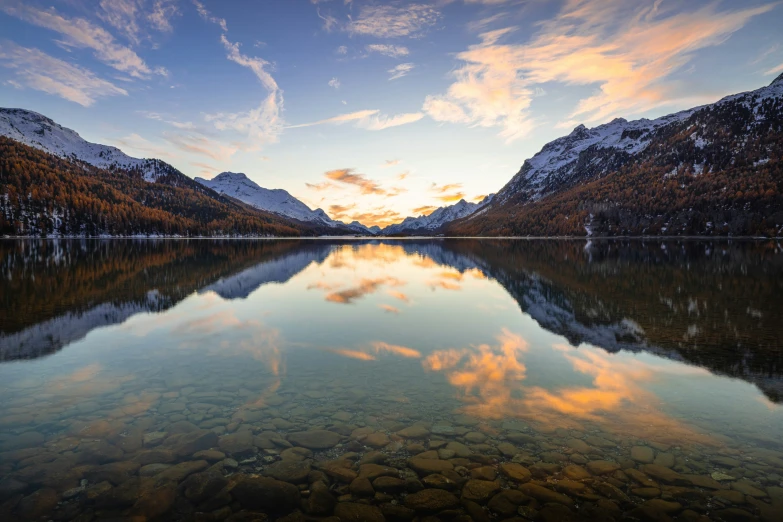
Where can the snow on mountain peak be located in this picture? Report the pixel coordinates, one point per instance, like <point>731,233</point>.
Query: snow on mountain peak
<point>438,218</point>
<point>239,186</point>
<point>777,81</point>
<point>40,132</point>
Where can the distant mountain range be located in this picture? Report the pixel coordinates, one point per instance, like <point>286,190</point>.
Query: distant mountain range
<point>711,170</point>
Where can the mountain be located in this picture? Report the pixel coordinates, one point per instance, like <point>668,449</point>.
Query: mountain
<point>711,170</point>
<point>278,201</point>
<point>47,196</point>
<point>426,225</point>
<point>38,131</point>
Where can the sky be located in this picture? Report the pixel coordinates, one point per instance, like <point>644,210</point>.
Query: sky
<point>372,110</point>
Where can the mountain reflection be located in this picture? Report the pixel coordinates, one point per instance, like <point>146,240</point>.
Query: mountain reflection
<point>715,305</point>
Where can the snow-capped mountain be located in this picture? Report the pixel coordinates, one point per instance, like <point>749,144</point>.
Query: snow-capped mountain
<point>279,201</point>
<point>238,185</point>
<point>434,221</point>
<point>40,132</point>
<point>589,153</point>
<point>710,170</point>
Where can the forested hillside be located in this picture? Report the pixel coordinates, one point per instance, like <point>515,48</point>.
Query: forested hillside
<point>711,171</point>
<point>43,195</point>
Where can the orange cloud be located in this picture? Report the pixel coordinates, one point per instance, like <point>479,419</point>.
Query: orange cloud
<point>425,210</point>
<point>403,175</point>
<point>448,198</point>
<point>441,189</point>
<point>349,177</point>
<point>479,199</point>
<point>354,354</point>
<point>366,286</point>
<point>390,309</point>
<point>394,349</point>
<point>321,186</point>
<point>398,295</point>
<point>628,49</point>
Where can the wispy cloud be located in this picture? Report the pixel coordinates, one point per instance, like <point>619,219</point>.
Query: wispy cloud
<point>774,70</point>
<point>394,51</point>
<point>628,49</point>
<point>132,17</point>
<point>334,83</point>
<point>440,189</point>
<point>206,15</point>
<point>388,21</point>
<point>367,119</point>
<point>341,50</point>
<point>425,210</point>
<point>149,149</point>
<point>350,177</point>
<point>391,163</point>
<point>37,70</point>
<point>263,123</point>
<point>321,186</point>
<point>400,70</point>
<point>196,144</point>
<point>451,198</point>
<point>82,34</point>
<point>162,13</point>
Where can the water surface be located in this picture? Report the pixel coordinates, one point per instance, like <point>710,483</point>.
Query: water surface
<point>627,378</point>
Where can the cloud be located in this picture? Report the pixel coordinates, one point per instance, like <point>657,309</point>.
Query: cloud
<point>391,163</point>
<point>321,186</point>
<point>263,123</point>
<point>330,23</point>
<point>197,144</point>
<point>395,191</point>
<point>398,295</point>
<point>450,198</point>
<point>389,309</point>
<point>774,70</point>
<point>394,51</point>
<point>350,177</point>
<point>341,50</point>
<point>37,70</point>
<point>426,210</point>
<point>162,13</point>
<point>400,70</point>
<point>135,142</point>
<point>207,16</point>
<point>387,21</point>
<point>81,34</point>
<point>340,211</point>
<point>334,82</point>
<point>440,189</point>
<point>628,49</point>
<point>367,119</point>
<point>381,218</point>
<point>366,286</point>
<point>394,349</point>
<point>478,199</point>
<point>122,15</point>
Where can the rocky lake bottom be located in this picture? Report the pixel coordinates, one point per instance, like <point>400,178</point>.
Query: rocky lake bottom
<point>211,410</point>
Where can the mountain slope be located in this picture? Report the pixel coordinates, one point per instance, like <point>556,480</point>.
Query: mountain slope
<point>38,131</point>
<point>712,170</point>
<point>440,217</point>
<point>279,201</point>
<point>43,195</point>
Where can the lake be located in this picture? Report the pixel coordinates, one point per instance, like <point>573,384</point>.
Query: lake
<point>391,379</point>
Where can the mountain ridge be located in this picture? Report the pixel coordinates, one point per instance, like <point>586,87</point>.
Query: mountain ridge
<point>712,169</point>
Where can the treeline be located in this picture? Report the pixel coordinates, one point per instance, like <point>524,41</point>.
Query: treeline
<point>718,173</point>
<point>42,195</point>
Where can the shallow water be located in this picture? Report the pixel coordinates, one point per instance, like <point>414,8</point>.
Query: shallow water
<point>620,378</point>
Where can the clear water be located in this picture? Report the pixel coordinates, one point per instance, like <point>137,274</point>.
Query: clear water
<point>661,360</point>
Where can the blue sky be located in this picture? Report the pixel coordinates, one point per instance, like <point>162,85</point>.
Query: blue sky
<point>372,110</point>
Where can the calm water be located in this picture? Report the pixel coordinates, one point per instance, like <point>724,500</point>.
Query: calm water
<point>390,379</point>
